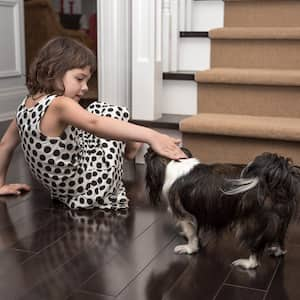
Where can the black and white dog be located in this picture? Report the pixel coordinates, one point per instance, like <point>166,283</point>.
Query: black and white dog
<point>256,200</point>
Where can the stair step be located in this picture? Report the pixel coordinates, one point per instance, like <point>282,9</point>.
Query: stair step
<point>250,76</point>
<point>260,47</point>
<point>239,138</point>
<point>273,13</point>
<point>287,129</point>
<point>257,92</point>
<point>269,33</point>
<point>167,121</point>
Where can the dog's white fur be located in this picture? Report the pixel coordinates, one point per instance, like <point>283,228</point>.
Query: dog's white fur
<point>176,169</point>
<point>250,263</point>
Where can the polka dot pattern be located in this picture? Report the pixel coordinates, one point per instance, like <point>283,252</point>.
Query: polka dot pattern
<point>79,169</point>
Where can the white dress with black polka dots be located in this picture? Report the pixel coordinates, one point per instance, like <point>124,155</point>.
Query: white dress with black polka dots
<point>78,168</point>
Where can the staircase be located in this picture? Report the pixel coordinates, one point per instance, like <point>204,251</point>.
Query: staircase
<point>249,101</point>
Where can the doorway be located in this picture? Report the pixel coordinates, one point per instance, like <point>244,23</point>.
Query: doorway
<point>46,19</point>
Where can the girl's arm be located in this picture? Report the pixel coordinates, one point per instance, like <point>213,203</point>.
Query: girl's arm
<point>131,149</point>
<point>67,111</point>
<point>8,144</point>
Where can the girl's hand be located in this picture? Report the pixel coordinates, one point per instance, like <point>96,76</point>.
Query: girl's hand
<point>167,146</point>
<point>13,189</point>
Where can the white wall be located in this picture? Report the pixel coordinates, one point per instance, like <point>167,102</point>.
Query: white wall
<point>12,57</point>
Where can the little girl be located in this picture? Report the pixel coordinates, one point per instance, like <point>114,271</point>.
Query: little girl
<point>76,154</point>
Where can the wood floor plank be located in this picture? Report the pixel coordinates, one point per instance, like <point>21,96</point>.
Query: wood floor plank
<point>259,278</point>
<point>125,266</point>
<point>158,277</point>
<point>10,259</point>
<point>86,296</point>
<point>11,213</point>
<point>237,293</point>
<point>285,285</point>
<point>45,236</point>
<point>80,233</point>
<point>96,260</point>
<point>13,233</point>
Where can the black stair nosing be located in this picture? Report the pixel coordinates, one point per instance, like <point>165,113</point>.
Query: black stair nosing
<point>179,75</point>
<point>156,124</point>
<point>167,121</point>
<point>189,34</point>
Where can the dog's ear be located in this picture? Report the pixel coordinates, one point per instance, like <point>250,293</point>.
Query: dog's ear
<point>155,175</point>
<point>149,153</point>
<point>187,152</point>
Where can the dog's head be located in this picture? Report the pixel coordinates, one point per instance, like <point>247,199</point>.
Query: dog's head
<point>155,173</point>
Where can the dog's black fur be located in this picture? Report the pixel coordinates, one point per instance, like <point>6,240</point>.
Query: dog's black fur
<point>258,200</point>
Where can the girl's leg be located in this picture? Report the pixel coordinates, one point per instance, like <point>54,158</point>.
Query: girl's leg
<point>102,164</point>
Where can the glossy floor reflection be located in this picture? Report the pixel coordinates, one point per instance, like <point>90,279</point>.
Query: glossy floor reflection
<point>49,252</point>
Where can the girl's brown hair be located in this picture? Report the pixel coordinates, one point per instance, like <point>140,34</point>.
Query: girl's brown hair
<point>53,60</point>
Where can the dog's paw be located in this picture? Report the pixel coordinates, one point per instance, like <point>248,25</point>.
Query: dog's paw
<point>246,263</point>
<point>185,249</point>
<point>276,251</point>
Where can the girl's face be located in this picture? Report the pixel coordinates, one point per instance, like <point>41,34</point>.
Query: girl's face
<point>75,82</point>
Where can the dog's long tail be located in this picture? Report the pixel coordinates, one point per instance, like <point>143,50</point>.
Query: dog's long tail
<point>241,185</point>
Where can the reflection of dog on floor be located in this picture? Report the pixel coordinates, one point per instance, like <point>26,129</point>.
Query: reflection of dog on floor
<point>256,200</point>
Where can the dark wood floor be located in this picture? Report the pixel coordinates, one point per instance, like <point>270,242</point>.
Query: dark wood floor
<point>48,252</point>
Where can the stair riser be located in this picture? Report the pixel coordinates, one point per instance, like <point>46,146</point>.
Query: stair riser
<point>244,53</point>
<point>254,100</point>
<point>262,13</point>
<point>207,15</point>
<point>228,149</point>
<point>177,92</point>
<point>189,58</point>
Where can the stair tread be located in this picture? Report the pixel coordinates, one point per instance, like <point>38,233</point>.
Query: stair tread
<point>266,127</point>
<point>167,121</point>
<point>255,33</point>
<point>276,77</point>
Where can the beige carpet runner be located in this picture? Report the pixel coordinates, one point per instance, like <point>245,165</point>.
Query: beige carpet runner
<point>249,101</point>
